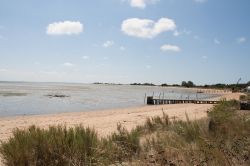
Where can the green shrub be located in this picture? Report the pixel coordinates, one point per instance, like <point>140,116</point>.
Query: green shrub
<point>55,146</point>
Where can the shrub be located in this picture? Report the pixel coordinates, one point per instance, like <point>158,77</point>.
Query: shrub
<point>125,145</point>
<point>55,146</point>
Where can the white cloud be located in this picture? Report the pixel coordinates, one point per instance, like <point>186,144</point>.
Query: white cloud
<point>65,28</point>
<point>68,64</point>
<point>141,3</point>
<point>216,41</point>
<point>145,28</point>
<point>108,43</point>
<point>241,40</point>
<point>168,47</point>
<point>200,1</point>
<point>85,57</point>
<point>182,32</point>
<point>148,66</point>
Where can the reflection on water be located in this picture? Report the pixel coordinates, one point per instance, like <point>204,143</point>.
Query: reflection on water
<point>45,98</point>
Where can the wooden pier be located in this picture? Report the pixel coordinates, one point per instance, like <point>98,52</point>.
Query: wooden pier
<point>152,101</point>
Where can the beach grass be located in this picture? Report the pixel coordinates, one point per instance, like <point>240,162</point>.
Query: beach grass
<point>221,139</point>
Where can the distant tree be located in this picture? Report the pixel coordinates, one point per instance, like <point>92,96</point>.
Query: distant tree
<point>184,83</point>
<point>164,84</point>
<point>206,86</point>
<point>190,84</point>
<point>248,83</point>
<point>187,84</point>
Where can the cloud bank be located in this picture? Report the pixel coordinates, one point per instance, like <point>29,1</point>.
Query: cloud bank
<point>145,28</point>
<point>65,28</point>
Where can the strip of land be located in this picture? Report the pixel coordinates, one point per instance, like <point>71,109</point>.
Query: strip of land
<point>105,121</point>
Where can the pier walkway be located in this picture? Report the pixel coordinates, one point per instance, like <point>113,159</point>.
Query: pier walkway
<point>152,101</point>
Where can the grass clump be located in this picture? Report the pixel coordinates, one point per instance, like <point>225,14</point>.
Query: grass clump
<point>55,146</point>
<point>221,139</point>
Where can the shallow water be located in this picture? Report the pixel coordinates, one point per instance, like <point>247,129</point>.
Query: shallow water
<point>37,98</point>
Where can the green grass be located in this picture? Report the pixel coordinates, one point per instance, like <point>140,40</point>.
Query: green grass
<point>221,139</point>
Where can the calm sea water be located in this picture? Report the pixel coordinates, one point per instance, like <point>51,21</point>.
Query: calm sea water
<point>32,98</point>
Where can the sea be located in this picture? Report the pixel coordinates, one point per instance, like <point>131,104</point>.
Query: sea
<point>26,98</point>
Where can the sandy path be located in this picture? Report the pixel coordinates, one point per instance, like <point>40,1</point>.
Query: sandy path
<point>106,121</point>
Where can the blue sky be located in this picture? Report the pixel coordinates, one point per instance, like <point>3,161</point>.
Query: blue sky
<point>125,41</point>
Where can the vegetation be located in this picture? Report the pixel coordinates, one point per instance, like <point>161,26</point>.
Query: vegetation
<point>188,84</point>
<point>12,94</point>
<point>221,139</point>
<point>245,97</point>
<point>144,84</point>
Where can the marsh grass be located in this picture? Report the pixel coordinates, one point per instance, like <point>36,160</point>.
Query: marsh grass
<point>221,139</point>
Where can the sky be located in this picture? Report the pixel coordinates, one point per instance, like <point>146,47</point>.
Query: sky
<point>125,41</point>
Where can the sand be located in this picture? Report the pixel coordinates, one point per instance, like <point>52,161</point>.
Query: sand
<point>105,121</point>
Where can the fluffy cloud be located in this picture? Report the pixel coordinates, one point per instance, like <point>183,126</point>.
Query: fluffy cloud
<point>141,3</point>
<point>145,28</point>
<point>241,40</point>
<point>168,47</point>
<point>108,43</point>
<point>65,28</point>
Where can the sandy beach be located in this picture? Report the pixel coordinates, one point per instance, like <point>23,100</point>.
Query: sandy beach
<point>105,121</point>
